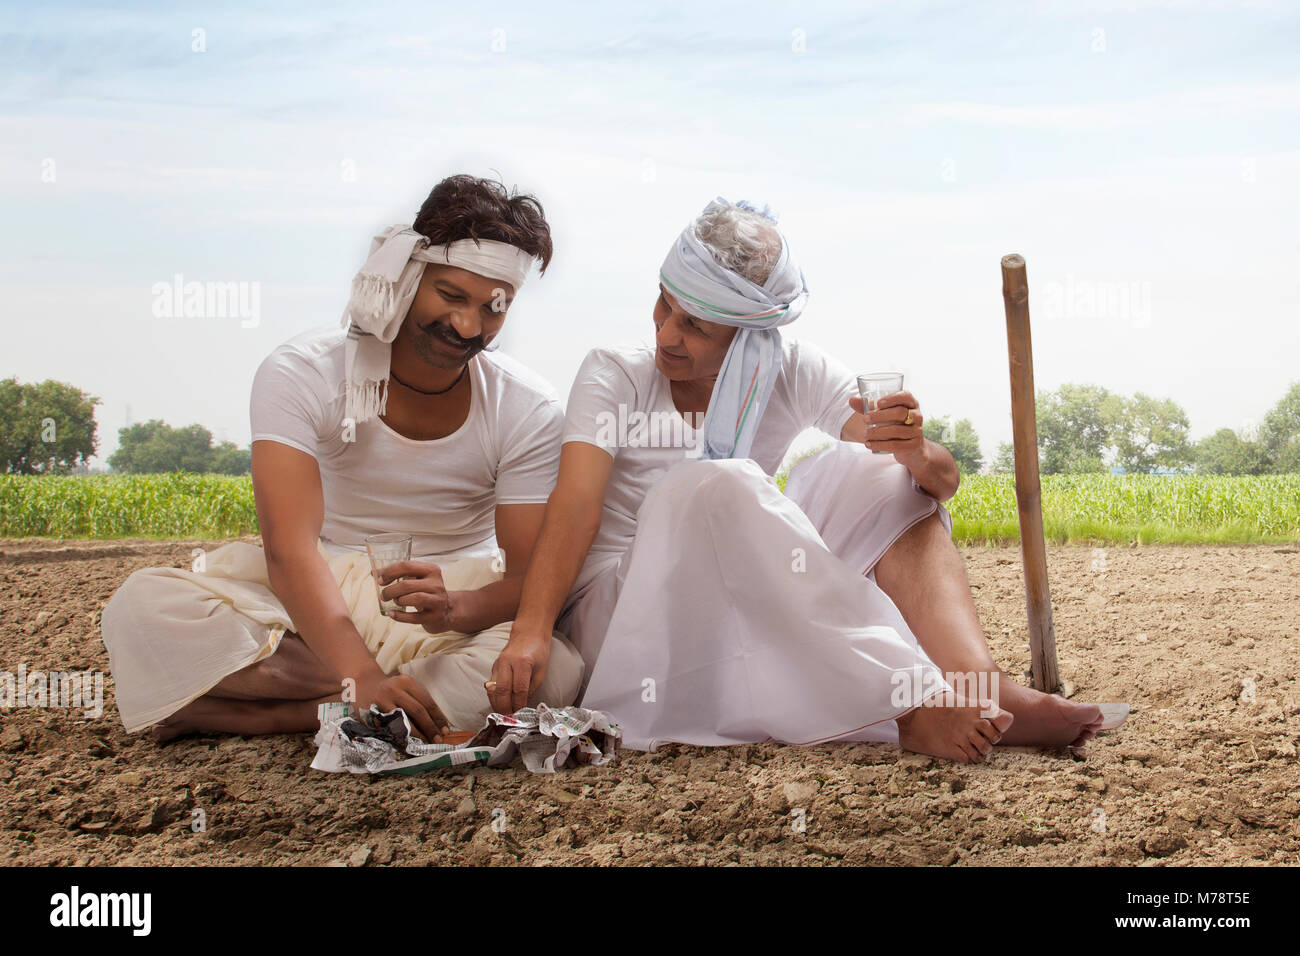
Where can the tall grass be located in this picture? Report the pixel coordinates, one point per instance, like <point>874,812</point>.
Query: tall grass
<point>1098,508</point>
<point>1168,509</point>
<point>118,506</point>
<point>1105,508</point>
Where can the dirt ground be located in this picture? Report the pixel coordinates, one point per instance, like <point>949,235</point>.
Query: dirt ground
<point>1204,642</point>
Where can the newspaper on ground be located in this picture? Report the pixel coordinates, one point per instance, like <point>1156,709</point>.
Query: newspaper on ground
<point>548,739</point>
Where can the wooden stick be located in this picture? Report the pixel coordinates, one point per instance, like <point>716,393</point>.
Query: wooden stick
<point>1038,600</point>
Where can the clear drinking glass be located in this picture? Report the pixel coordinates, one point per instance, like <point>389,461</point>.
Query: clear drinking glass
<point>873,385</point>
<point>386,549</point>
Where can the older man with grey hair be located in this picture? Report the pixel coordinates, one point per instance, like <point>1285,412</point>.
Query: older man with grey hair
<point>709,607</point>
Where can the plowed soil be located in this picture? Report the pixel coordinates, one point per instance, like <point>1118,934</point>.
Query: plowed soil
<point>1204,642</point>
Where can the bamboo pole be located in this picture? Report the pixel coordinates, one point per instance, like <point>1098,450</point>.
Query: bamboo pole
<point>1033,549</point>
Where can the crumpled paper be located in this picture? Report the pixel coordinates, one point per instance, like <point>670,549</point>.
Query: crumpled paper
<point>547,739</point>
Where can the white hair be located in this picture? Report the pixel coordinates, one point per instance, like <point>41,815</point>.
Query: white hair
<point>742,238</point>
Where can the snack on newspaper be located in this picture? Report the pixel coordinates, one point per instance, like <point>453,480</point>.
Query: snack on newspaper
<point>547,739</point>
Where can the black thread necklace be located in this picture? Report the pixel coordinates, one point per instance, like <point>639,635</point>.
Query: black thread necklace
<point>422,391</point>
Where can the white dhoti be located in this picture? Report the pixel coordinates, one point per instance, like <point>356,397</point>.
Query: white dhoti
<point>173,634</point>
<point>741,614</point>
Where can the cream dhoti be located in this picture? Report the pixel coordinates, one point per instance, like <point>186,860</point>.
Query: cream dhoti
<point>740,614</point>
<point>173,634</point>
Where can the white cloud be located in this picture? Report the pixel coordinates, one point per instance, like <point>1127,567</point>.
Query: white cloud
<point>1157,109</point>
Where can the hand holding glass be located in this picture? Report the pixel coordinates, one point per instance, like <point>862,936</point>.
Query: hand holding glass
<point>873,386</point>
<point>386,549</point>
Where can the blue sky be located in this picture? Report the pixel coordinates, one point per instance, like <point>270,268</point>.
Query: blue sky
<point>1144,158</point>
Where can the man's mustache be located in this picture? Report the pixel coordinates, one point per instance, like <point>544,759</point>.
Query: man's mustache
<point>448,335</point>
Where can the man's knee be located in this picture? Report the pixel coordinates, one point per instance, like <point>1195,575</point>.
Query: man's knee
<point>839,457</point>
<point>129,602</point>
<point>455,677</point>
<point>927,540</point>
<point>709,486</point>
<point>928,533</point>
<point>564,672</point>
<point>128,592</point>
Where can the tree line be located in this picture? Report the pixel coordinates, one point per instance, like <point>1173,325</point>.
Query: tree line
<point>1087,428</point>
<point>49,428</point>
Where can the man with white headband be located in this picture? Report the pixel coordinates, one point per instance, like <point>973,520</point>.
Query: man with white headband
<point>404,420</point>
<point>712,609</point>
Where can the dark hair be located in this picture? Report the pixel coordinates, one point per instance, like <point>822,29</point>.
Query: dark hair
<point>468,207</point>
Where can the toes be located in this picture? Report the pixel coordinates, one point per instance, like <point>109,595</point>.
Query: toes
<point>1092,715</point>
<point>989,731</point>
<point>164,732</point>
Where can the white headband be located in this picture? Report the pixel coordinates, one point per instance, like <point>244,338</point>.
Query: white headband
<point>382,293</point>
<point>708,291</point>
<point>487,257</point>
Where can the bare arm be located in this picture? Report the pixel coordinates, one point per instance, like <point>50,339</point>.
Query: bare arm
<point>518,528</point>
<point>882,430</point>
<point>290,512</point>
<point>569,526</point>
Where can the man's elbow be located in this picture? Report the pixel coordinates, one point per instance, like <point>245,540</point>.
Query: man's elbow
<point>284,561</point>
<point>277,569</point>
<point>940,493</point>
<point>570,511</point>
<point>956,483</point>
<point>588,524</point>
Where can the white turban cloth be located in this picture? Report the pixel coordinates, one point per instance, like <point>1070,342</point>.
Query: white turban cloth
<point>711,292</point>
<point>382,293</point>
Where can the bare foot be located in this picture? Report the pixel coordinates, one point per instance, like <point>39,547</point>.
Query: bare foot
<point>174,726</point>
<point>248,718</point>
<point>953,730</point>
<point>1046,720</point>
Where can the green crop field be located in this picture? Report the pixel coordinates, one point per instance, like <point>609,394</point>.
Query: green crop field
<point>1105,508</point>
<point>1181,509</point>
<point>127,506</point>
<point>1210,509</point>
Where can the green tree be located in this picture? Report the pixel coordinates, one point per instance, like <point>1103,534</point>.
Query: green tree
<point>960,439</point>
<point>228,459</point>
<point>1074,425</point>
<point>1149,433</point>
<point>1280,434</point>
<point>1005,462</point>
<point>1228,453</point>
<point>154,447</point>
<point>45,428</point>
<point>1287,461</point>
